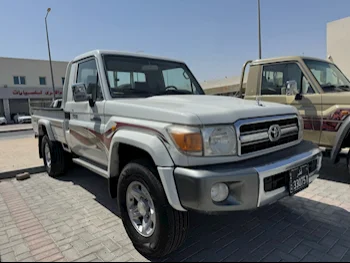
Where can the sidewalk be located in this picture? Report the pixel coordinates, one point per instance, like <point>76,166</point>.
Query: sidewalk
<point>15,127</point>
<point>19,155</point>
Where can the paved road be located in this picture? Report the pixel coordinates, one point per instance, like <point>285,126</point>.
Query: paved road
<point>16,135</point>
<point>72,218</point>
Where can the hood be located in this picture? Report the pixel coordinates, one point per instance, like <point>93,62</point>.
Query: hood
<point>194,109</point>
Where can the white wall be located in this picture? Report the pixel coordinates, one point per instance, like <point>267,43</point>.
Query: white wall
<point>338,43</point>
<point>32,70</point>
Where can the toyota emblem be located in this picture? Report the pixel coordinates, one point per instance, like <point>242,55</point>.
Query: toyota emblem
<point>274,133</point>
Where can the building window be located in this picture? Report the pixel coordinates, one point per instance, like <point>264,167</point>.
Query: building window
<point>42,80</point>
<point>19,80</point>
<point>63,79</point>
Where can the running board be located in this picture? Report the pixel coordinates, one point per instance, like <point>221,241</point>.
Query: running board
<point>91,167</point>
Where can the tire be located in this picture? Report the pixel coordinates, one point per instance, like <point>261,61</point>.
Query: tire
<point>348,162</point>
<point>58,164</point>
<point>171,225</point>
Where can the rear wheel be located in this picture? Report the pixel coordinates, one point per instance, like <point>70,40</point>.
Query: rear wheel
<point>56,160</point>
<point>154,227</point>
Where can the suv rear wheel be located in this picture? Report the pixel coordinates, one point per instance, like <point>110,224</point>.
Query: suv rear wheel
<point>154,227</point>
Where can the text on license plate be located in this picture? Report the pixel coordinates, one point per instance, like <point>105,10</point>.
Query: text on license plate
<point>299,179</point>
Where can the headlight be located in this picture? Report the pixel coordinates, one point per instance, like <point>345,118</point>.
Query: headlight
<point>219,141</point>
<point>210,141</point>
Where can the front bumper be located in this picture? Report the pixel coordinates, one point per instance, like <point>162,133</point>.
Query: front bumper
<point>252,183</point>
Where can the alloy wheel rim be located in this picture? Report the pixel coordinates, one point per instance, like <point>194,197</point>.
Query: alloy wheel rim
<point>47,156</point>
<point>141,209</point>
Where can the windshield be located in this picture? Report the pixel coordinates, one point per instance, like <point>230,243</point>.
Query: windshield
<point>329,76</point>
<point>143,77</point>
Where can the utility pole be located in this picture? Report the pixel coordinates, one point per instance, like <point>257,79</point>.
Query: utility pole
<point>259,26</point>
<point>48,47</point>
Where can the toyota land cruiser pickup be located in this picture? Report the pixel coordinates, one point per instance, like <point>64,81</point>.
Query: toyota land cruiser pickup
<point>166,148</point>
<point>316,87</point>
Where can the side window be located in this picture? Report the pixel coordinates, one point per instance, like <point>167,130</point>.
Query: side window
<point>87,74</point>
<point>272,81</point>
<point>275,77</point>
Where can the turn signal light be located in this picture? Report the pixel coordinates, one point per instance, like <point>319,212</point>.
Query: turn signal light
<point>188,140</point>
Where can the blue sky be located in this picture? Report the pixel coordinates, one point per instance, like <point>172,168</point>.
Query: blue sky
<point>214,37</point>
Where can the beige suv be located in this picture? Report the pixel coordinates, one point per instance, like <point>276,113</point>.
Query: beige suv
<point>317,88</point>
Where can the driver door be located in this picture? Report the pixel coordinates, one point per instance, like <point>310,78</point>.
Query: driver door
<point>309,105</point>
<point>274,89</point>
<point>87,122</point>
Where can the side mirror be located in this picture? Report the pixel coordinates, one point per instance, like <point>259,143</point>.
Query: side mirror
<point>292,89</point>
<point>80,94</point>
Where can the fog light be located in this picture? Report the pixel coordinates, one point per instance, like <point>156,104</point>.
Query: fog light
<point>219,192</point>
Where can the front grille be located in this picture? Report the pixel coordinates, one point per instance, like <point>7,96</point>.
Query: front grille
<point>282,180</point>
<point>254,135</point>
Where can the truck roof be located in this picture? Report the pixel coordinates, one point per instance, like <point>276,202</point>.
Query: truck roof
<point>286,58</point>
<point>98,52</point>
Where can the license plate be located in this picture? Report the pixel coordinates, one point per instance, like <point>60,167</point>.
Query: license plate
<point>298,179</point>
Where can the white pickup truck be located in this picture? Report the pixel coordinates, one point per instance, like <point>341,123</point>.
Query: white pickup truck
<point>166,148</point>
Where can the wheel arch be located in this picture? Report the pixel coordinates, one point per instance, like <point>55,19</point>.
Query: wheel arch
<point>342,140</point>
<point>128,145</point>
<point>44,128</point>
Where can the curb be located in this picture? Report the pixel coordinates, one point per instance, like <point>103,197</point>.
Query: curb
<point>12,174</point>
<point>19,130</point>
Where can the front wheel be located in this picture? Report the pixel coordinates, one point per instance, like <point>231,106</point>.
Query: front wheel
<point>348,162</point>
<point>154,227</point>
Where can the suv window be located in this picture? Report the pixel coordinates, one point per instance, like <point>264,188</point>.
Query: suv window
<point>328,75</point>
<point>177,77</point>
<point>135,77</point>
<point>275,77</point>
<point>120,79</point>
<point>88,74</point>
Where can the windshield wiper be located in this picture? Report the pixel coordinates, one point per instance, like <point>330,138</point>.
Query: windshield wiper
<point>331,88</point>
<point>131,92</point>
<point>175,92</point>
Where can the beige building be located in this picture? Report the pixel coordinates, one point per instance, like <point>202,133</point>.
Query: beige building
<point>228,86</point>
<point>27,81</point>
<point>338,42</point>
